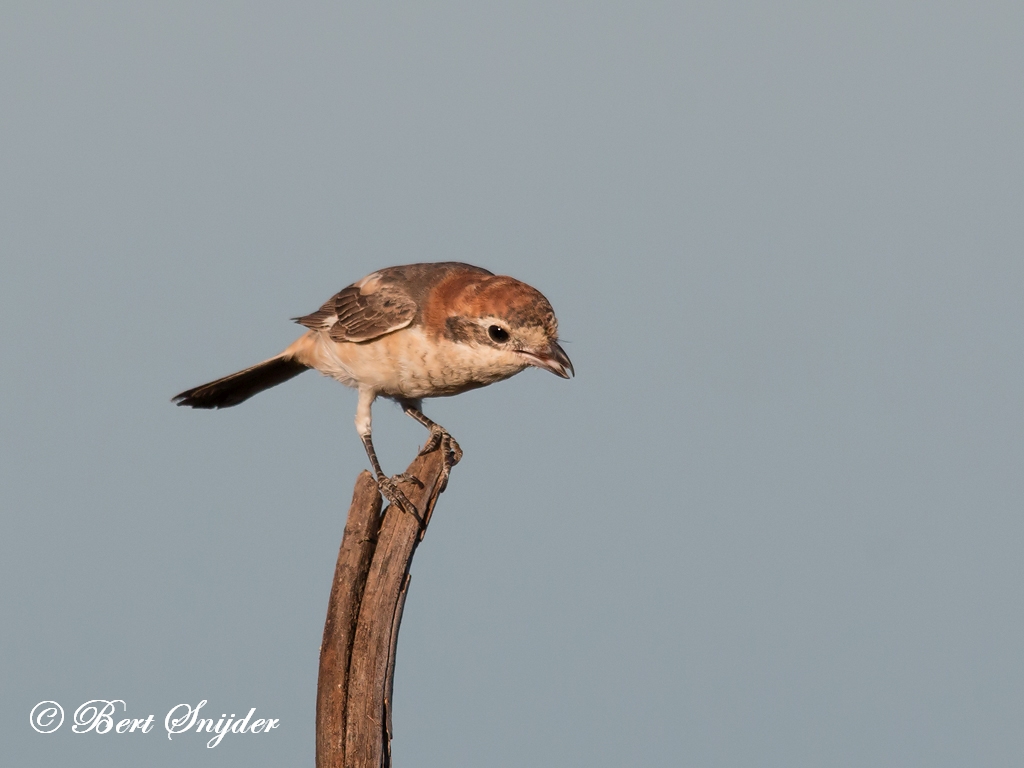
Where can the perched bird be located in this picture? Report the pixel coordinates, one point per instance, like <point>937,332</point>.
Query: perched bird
<point>406,333</point>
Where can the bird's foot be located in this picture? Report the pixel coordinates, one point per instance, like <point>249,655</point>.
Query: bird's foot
<point>408,478</point>
<point>441,438</point>
<point>451,453</point>
<point>390,491</point>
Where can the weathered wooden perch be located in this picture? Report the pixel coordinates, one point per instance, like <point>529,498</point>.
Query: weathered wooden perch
<point>357,657</point>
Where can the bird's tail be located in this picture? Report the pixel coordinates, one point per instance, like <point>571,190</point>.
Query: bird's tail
<point>239,387</point>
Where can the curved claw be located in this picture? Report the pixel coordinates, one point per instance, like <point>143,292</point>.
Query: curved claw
<point>450,450</point>
<point>390,491</point>
<point>433,441</point>
<point>456,451</point>
<point>408,478</point>
<point>441,438</point>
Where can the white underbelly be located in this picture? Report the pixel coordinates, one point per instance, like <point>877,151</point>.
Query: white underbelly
<point>405,364</point>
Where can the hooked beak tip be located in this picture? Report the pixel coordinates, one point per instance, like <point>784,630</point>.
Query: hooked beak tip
<point>553,359</point>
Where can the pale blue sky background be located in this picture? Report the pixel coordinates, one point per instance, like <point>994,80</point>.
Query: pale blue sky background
<point>776,520</point>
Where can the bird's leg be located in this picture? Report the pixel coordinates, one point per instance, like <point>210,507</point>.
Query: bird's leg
<point>451,453</point>
<point>388,488</point>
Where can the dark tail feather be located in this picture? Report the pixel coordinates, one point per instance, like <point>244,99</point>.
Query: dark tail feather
<point>238,387</point>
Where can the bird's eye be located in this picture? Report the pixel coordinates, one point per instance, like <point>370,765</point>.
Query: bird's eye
<point>498,334</point>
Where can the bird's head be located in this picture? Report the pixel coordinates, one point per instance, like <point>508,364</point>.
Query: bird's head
<point>510,323</point>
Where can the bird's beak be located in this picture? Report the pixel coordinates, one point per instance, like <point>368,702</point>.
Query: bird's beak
<point>551,359</point>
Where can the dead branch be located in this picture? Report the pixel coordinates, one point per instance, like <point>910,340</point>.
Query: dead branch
<point>357,657</point>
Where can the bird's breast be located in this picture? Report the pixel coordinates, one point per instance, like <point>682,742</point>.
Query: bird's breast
<point>409,364</point>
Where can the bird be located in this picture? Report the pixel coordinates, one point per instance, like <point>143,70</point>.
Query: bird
<point>406,333</point>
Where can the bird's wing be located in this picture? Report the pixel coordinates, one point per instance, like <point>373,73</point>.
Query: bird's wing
<point>365,310</point>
